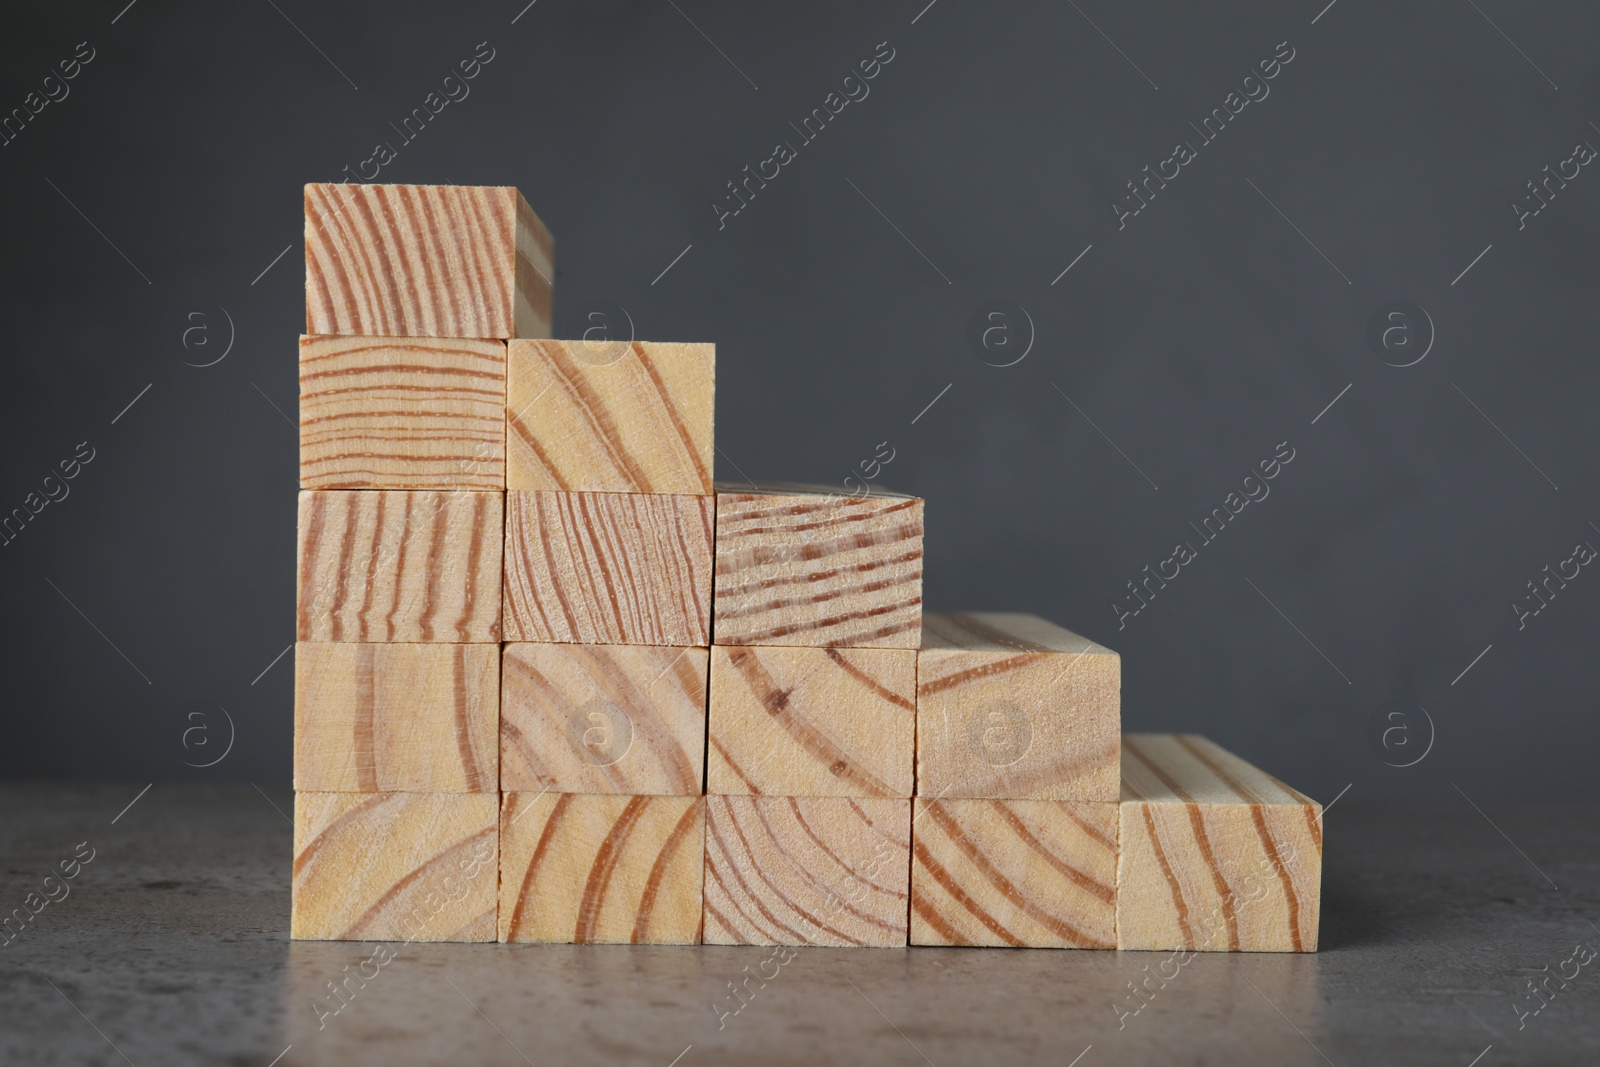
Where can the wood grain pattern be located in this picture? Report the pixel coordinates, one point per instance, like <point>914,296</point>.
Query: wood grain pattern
<point>372,718</point>
<point>402,413</point>
<point>608,568</point>
<point>610,416</point>
<point>807,871</point>
<point>812,721</point>
<point>808,567</point>
<point>603,719</point>
<point>1011,707</point>
<point>426,261</point>
<point>1216,855</point>
<point>616,869</point>
<point>1019,873</point>
<point>394,867</point>
<point>393,565</point>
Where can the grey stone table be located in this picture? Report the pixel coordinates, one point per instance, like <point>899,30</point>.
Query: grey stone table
<point>171,947</point>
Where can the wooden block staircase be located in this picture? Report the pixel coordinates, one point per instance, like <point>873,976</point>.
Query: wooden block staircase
<point>554,684</point>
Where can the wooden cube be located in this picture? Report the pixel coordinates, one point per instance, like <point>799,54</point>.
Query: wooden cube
<point>402,413</point>
<point>603,719</point>
<point>812,721</point>
<point>1216,855</point>
<point>608,568</point>
<point>800,566</point>
<point>426,261</point>
<point>592,868</point>
<point>807,871</point>
<point>1023,873</point>
<point>372,718</point>
<point>1011,707</point>
<point>394,867</point>
<point>610,416</point>
<point>399,566</point>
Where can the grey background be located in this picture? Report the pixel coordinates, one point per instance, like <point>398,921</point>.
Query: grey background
<point>1198,337</point>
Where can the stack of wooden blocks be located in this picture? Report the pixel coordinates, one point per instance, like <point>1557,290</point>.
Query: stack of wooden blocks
<point>818,609</point>
<point>607,622</point>
<point>553,684</point>
<point>412,295</point>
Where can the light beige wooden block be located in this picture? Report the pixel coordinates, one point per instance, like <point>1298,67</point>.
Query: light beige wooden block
<point>610,416</point>
<point>592,868</point>
<point>426,261</point>
<point>603,719</point>
<point>807,870</point>
<point>799,566</point>
<point>402,413</point>
<point>1022,873</point>
<point>1216,855</point>
<point>812,721</point>
<point>372,718</point>
<point>1011,707</point>
<point>608,568</point>
<point>394,867</point>
<point>397,565</point>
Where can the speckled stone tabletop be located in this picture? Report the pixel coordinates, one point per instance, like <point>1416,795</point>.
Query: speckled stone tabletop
<point>171,946</point>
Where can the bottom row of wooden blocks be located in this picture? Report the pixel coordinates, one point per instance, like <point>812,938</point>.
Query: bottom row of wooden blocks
<point>1204,852</point>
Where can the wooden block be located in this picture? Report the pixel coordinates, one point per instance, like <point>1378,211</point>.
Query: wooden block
<point>372,718</point>
<point>402,413</point>
<point>1216,855</point>
<point>835,722</point>
<point>591,868</point>
<point>608,568</point>
<point>426,261</point>
<point>603,719</point>
<point>807,871</point>
<point>610,416</point>
<point>1023,873</point>
<point>394,867</point>
<point>809,567</point>
<point>398,565</point>
<point>1011,707</point>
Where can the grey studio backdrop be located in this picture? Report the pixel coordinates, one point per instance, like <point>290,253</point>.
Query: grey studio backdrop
<point>1085,273</point>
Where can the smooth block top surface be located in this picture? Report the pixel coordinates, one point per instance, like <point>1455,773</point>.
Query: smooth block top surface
<point>1190,769</point>
<point>1001,631</point>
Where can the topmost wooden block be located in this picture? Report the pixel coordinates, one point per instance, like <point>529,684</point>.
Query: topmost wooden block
<point>426,261</point>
